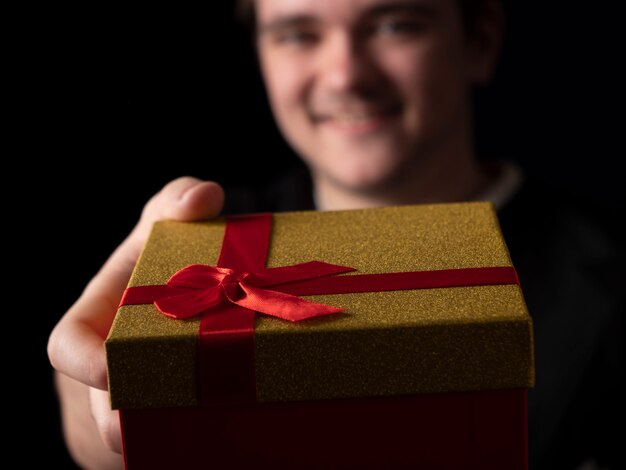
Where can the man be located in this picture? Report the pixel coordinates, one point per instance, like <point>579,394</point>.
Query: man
<point>375,95</point>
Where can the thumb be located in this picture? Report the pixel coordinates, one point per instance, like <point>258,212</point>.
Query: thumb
<point>184,199</point>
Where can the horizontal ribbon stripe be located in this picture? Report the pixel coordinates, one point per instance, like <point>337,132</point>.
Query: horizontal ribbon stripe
<point>354,284</point>
<point>409,280</point>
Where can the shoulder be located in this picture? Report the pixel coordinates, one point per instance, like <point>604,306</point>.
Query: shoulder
<point>561,223</point>
<point>564,247</point>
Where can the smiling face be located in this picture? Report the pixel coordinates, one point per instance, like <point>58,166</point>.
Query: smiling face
<point>365,89</point>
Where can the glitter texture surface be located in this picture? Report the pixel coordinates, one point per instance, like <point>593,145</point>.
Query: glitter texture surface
<point>386,343</point>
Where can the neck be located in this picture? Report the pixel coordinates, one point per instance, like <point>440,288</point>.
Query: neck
<point>448,173</point>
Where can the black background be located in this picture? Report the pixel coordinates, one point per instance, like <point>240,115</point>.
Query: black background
<point>109,93</point>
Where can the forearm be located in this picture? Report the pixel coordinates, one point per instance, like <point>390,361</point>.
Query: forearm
<point>81,434</point>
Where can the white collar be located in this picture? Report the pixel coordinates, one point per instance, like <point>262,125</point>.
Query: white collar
<point>508,181</point>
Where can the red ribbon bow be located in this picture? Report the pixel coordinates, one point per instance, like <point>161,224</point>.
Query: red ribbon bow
<point>202,287</point>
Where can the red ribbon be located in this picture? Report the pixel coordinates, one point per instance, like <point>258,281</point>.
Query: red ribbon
<point>228,295</point>
<point>198,288</point>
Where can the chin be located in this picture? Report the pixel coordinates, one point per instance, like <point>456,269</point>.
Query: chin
<point>366,180</point>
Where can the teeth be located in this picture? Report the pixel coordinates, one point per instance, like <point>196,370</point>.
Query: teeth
<point>353,117</point>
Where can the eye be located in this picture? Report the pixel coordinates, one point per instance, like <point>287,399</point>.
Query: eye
<point>296,38</point>
<point>397,27</point>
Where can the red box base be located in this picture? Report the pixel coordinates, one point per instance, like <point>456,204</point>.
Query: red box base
<point>486,430</point>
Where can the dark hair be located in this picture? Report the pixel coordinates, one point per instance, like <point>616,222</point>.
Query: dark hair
<point>470,13</point>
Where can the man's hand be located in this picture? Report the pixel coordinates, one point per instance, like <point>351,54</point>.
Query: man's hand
<point>75,347</point>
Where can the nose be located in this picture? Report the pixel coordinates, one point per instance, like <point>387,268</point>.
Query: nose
<point>346,65</point>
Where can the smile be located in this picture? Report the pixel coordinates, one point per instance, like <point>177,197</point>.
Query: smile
<point>353,118</point>
<point>358,123</point>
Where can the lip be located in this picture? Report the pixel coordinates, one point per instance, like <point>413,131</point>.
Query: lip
<point>372,122</point>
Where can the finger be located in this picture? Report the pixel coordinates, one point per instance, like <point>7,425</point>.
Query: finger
<point>107,420</point>
<point>82,436</point>
<point>75,347</point>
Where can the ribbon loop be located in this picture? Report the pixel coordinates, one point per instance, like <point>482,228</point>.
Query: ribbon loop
<point>199,276</point>
<point>209,286</point>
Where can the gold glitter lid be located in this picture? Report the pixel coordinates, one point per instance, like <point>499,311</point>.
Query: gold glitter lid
<point>386,343</point>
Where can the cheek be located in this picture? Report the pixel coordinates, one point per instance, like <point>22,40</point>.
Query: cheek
<point>288,85</point>
<point>429,80</point>
<point>285,85</point>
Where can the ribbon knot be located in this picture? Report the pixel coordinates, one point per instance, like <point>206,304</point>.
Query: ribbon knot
<point>196,289</point>
<point>233,277</point>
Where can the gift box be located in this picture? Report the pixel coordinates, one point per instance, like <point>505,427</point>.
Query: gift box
<point>382,337</point>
